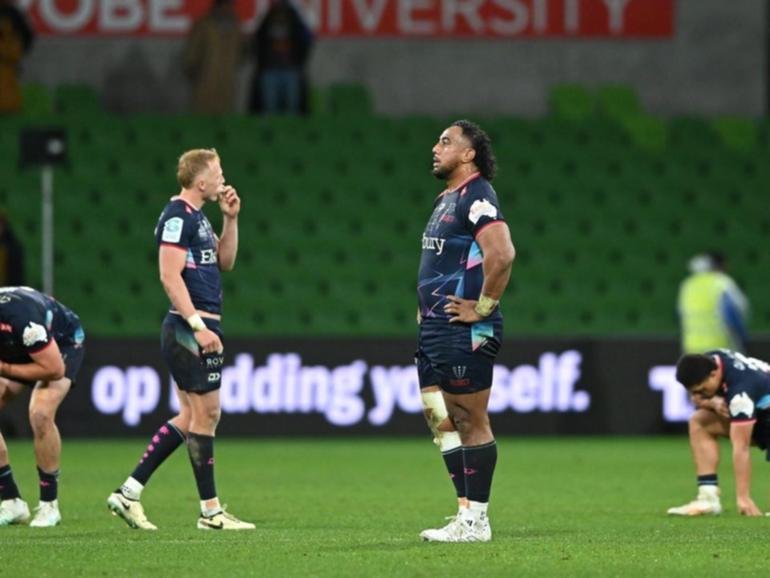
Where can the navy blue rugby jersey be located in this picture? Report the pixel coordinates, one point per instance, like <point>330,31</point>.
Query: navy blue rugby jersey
<point>451,258</point>
<point>30,321</point>
<point>186,228</point>
<point>746,384</point>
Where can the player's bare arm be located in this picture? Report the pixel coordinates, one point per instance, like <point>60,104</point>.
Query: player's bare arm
<point>171,263</point>
<point>740,437</point>
<point>47,365</point>
<point>499,253</point>
<point>230,204</point>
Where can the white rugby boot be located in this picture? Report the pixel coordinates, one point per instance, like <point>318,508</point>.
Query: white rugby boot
<point>46,515</point>
<point>131,511</point>
<point>464,527</point>
<point>13,511</point>
<point>706,503</point>
<point>223,521</point>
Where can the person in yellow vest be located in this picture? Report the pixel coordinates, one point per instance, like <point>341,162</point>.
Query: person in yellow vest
<point>712,313</point>
<point>15,41</point>
<point>712,309</point>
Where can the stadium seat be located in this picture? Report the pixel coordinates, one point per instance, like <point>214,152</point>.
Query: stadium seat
<point>617,102</point>
<point>571,102</point>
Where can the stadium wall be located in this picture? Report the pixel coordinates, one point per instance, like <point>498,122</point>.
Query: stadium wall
<point>369,387</point>
<point>716,47</point>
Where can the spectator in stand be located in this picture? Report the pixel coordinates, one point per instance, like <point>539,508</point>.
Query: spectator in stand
<point>281,46</point>
<point>15,41</point>
<point>212,53</point>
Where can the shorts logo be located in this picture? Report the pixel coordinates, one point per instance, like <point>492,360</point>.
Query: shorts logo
<point>34,333</point>
<point>214,377</point>
<point>215,362</point>
<point>172,230</point>
<point>459,371</point>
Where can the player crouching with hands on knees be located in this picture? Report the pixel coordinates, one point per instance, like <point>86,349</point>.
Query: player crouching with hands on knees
<point>41,346</point>
<point>732,395</point>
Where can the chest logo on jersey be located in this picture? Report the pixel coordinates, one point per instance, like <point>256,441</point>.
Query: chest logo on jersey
<point>204,231</point>
<point>433,243</point>
<point>741,403</point>
<point>172,230</point>
<point>34,333</point>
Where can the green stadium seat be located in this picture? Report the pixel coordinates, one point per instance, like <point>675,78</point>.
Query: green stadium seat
<point>739,134</point>
<point>617,102</point>
<point>37,102</point>
<point>348,101</point>
<point>77,100</point>
<point>572,103</point>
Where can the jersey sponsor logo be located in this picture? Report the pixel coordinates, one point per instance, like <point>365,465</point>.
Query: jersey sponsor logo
<point>741,403</point>
<point>482,208</point>
<point>172,230</point>
<point>433,243</point>
<point>214,377</point>
<point>34,333</point>
<point>208,257</point>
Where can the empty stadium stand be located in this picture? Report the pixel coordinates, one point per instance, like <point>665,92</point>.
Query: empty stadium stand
<point>605,205</point>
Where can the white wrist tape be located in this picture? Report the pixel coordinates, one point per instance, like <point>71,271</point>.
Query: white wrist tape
<point>196,322</point>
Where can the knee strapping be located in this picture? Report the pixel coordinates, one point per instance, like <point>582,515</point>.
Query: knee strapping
<point>436,412</point>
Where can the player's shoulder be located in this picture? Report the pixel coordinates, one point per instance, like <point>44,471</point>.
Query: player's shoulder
<point>176,207</point>
<point>478,189</point>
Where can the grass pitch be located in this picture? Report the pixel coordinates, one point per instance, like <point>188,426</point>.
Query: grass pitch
<point>354,507</point>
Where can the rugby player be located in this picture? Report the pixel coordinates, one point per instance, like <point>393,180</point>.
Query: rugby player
<point>41,346</point>
<point>739,389</point>
<point>466,262</point>
<point>191,258</point>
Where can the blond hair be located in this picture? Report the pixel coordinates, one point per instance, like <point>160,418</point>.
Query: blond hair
<point>192,163</point>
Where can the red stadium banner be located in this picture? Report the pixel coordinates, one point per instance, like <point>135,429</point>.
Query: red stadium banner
<point>531,19</point>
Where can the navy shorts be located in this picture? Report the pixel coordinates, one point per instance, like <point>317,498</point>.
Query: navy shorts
<point>760,435</point>
<point>193,371</point>
<point>459,358</point>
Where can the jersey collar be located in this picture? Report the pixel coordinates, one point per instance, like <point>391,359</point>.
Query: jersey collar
<point>189,204</point>
<point>472,177</point>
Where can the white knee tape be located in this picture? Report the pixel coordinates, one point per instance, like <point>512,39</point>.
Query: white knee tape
<point>433,401</point>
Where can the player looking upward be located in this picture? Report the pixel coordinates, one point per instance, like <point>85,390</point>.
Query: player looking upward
<point>466,262</point>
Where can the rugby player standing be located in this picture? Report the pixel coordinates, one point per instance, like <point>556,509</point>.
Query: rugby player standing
<point>191,258</point>
<point>466,262</point>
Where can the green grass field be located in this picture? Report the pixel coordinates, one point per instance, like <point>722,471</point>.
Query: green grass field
<point>354,507</point>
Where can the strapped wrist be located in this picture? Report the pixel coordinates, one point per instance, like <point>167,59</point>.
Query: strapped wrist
<point>196,322</point>
<point>485,306</point>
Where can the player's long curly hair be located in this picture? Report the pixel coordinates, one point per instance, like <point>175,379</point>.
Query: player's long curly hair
<point>485,159</point>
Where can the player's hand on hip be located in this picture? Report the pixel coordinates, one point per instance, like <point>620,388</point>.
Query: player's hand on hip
<point>209,341</point>
<point>463,310</point>
<point>747,507</point>
<point>229,201</point>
